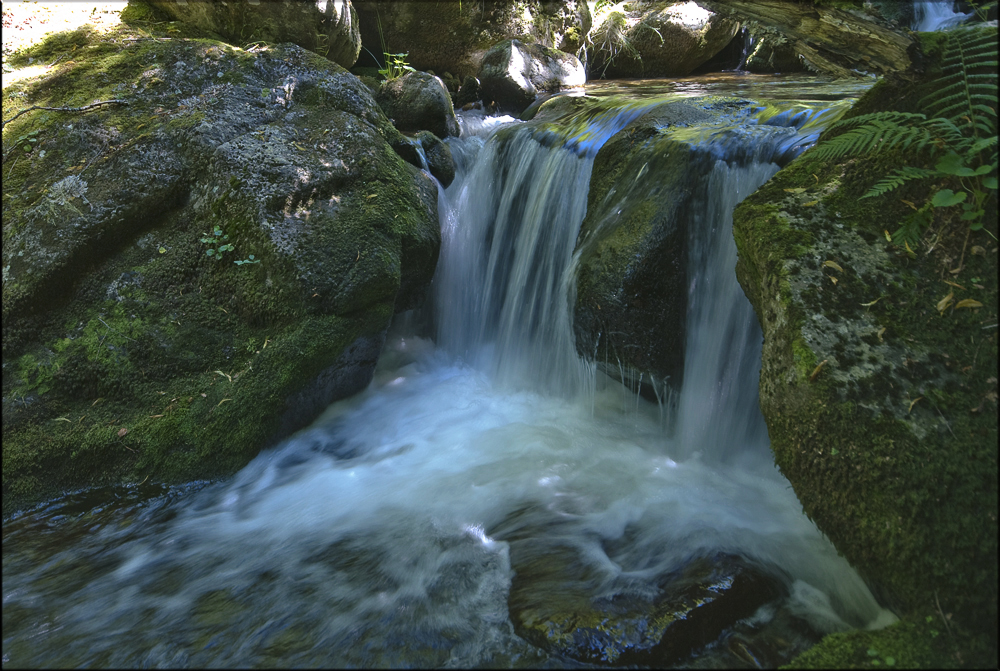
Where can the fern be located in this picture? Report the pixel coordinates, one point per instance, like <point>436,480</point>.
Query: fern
<point>958,124</point>
<point>898,178</point>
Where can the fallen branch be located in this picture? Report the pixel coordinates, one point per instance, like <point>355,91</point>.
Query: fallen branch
<point>99,103</point>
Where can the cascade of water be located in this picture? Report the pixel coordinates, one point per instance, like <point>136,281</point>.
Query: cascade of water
<point>930,15</point>
<point>718,413</point>
<point>387,533</point>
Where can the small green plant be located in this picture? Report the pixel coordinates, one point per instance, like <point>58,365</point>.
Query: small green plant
<point>215,238</point>
<point>249,259</point>
<point>395,64</point>
<point>959,135</point>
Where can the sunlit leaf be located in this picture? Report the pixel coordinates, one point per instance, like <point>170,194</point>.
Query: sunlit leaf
<point>945,302</point>
<point>968,303</point>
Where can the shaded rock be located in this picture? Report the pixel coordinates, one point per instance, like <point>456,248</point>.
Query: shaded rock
<point>194,274</point>
<point>328,27</point>
<point>514,74</point>
<point>453,36</point>
<point>771,53</point>
<point>669,41</point>
<point>419,101</point>
<point>631,298</point>
<point>439,158</point>
<point>833,41</point>
<point>469,93</point>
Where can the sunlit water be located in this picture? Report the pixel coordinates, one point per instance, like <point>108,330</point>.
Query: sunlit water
<point>382,535</point>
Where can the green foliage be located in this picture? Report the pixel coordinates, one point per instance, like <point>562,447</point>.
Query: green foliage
<point>959,129</point>
<point>609,37</point>
<point>216,237</point>
<point>395,64</point>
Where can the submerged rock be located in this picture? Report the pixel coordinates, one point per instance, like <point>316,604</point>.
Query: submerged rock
<point>555,604</point>
<point>195,269</point>
<point>514,74</point>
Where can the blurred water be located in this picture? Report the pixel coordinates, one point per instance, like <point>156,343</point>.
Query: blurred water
<point>381,535</point>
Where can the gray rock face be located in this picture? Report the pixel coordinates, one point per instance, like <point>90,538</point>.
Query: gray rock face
<point>453,36</point>
<point>243,213</point>
<point>513,74</point>
<point>670,41</point>
<point>327,27</point>
<point>419,101</point>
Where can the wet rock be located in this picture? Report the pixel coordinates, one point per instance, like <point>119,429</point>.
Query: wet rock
<point>631,299</point>
<point>513,74</point>
<point>419,101</point>
<point>439,158</point>
<point>329,27</point>
<point>668,40</point>
<point>219,258</point>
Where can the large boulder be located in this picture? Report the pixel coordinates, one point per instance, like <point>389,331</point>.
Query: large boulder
<point>879,376</point>
<point>668,40</point>
<point>513,74</point>
<point>419,101</point>
<point>196,268</point>
<point>327,27</point>
<point>453,36</point>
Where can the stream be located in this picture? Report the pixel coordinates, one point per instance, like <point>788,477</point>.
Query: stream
<point>491,499</point>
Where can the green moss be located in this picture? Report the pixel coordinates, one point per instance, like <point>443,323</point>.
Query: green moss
<point>917,643</point>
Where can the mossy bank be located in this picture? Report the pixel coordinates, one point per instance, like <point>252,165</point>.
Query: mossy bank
<point>197,267</point>
<point>879,393</point>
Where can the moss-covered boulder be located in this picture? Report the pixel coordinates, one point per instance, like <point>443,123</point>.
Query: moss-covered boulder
<point>196,266</point>
<point>879,376</point>
<point>513,74</point>
<point>329,27</point>
<point>418,101</point>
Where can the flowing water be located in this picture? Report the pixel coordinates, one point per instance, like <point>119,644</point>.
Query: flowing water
<point>931,15</point>
<point>404,526</point>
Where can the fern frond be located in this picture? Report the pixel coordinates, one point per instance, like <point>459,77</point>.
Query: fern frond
<point>875,136</point>
<point>898,178</point>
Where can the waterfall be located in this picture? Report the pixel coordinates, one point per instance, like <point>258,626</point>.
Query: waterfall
<point>930,15</point>
<point>400,528</point>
